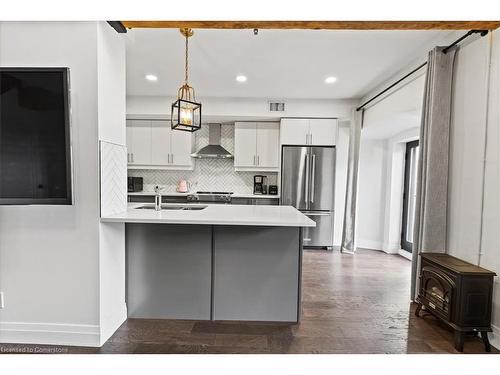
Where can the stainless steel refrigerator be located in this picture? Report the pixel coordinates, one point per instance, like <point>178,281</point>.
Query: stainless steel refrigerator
<point>308,184</point>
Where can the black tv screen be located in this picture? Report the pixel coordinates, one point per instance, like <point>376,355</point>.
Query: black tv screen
<point>35,156</point>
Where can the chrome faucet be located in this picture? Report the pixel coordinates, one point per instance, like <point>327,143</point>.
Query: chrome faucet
<point>157,198</point>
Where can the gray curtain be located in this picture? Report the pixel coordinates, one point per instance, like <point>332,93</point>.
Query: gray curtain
<point>348,230</point>
<point>430,228</point>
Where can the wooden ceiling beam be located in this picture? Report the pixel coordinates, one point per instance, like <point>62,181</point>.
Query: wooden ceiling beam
<point>319,25</point>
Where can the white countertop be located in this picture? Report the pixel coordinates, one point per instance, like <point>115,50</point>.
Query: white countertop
<point>176,194</point>
<point>215,214</point>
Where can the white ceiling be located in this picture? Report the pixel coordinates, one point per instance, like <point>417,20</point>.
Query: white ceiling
<point>279,64</point>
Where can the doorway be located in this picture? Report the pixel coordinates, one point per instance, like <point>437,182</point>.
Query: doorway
<point>409,195</point>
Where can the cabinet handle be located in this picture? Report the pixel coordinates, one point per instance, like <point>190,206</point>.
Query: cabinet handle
<point>172,158</point>
<point>128,157</point>
<point>310,138</point>
<point>132,157</point>
<point>258,160</point>
<point>254,160</point>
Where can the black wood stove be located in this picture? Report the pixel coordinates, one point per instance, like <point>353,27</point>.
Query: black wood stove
<point>457,292</point>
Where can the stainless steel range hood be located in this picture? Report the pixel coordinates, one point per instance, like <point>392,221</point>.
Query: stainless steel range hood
<point>214,150</point>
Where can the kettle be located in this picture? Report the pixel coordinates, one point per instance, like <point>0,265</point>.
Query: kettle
<point>183,186</point>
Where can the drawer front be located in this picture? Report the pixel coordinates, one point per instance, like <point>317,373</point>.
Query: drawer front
<point>322,234</point>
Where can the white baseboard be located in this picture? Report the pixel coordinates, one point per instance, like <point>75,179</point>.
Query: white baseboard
<point>495,337</point>
<point>49,334</point>
<point>368,244</point>
<point>391,248</point>
<point>405,254</point>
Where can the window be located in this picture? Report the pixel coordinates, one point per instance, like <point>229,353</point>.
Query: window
<point>409,195</point>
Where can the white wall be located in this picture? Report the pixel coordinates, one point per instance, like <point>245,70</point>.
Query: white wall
<point>111,83</point>
<point>111,115</point>
<point>371,194</point>
<point>159,106</point>
<point>398,112</point>
<point>467,142</point>
<point>50,255</point>
<point>474,226</point>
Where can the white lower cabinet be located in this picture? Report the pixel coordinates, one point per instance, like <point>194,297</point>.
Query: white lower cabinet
<point>152,144</point>
<point>256,146</point>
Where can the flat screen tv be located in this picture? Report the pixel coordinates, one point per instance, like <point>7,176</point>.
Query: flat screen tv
<point>35,148</point>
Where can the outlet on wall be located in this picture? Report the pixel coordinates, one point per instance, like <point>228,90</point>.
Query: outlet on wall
<point>2,301</point>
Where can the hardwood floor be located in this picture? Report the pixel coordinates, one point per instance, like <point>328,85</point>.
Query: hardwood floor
<point>351,304</point>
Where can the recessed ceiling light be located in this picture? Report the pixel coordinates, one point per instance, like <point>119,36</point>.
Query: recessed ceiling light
<point>151,77</point>
<point>330,79</point>
<point>241,78</point>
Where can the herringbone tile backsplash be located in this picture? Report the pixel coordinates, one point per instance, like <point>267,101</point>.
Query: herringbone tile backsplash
<point>208,174</point>
<point>113,159</point>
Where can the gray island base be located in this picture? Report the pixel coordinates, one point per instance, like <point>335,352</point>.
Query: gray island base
<point>214,272</point>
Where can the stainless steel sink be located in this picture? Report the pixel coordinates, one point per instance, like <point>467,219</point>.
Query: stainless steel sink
<point>173,207</point>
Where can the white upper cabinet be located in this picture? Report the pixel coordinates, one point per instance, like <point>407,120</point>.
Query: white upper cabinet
<point>256,146</point>
<point>294,131</point>
<point>245,144</point>
<point>139,142</point>
<point>313,132</point>
<point>268,145</point>
<point>181,147</point>
<point>152,144</point>
<point>323,132</point>
<point>160,143</point>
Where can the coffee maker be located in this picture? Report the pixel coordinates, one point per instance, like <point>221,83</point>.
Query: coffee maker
<point>259,184</point>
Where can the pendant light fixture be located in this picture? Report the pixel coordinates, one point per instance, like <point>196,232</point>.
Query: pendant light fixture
<point>186,112</point>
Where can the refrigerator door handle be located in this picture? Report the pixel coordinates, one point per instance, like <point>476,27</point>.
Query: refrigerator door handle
<point>313,173</point>
<point>310,213</point>
<point>306,180</point>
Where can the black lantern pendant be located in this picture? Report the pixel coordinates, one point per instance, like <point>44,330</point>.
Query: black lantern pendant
<point>186,112</point>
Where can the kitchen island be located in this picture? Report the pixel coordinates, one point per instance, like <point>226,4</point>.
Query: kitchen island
<point>213,262</point>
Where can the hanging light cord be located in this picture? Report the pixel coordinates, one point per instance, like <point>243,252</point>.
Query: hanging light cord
<point>186,92</point>
<point>186,65</point>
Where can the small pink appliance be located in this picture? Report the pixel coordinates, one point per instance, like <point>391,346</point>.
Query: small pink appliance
<point>183,186</point>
